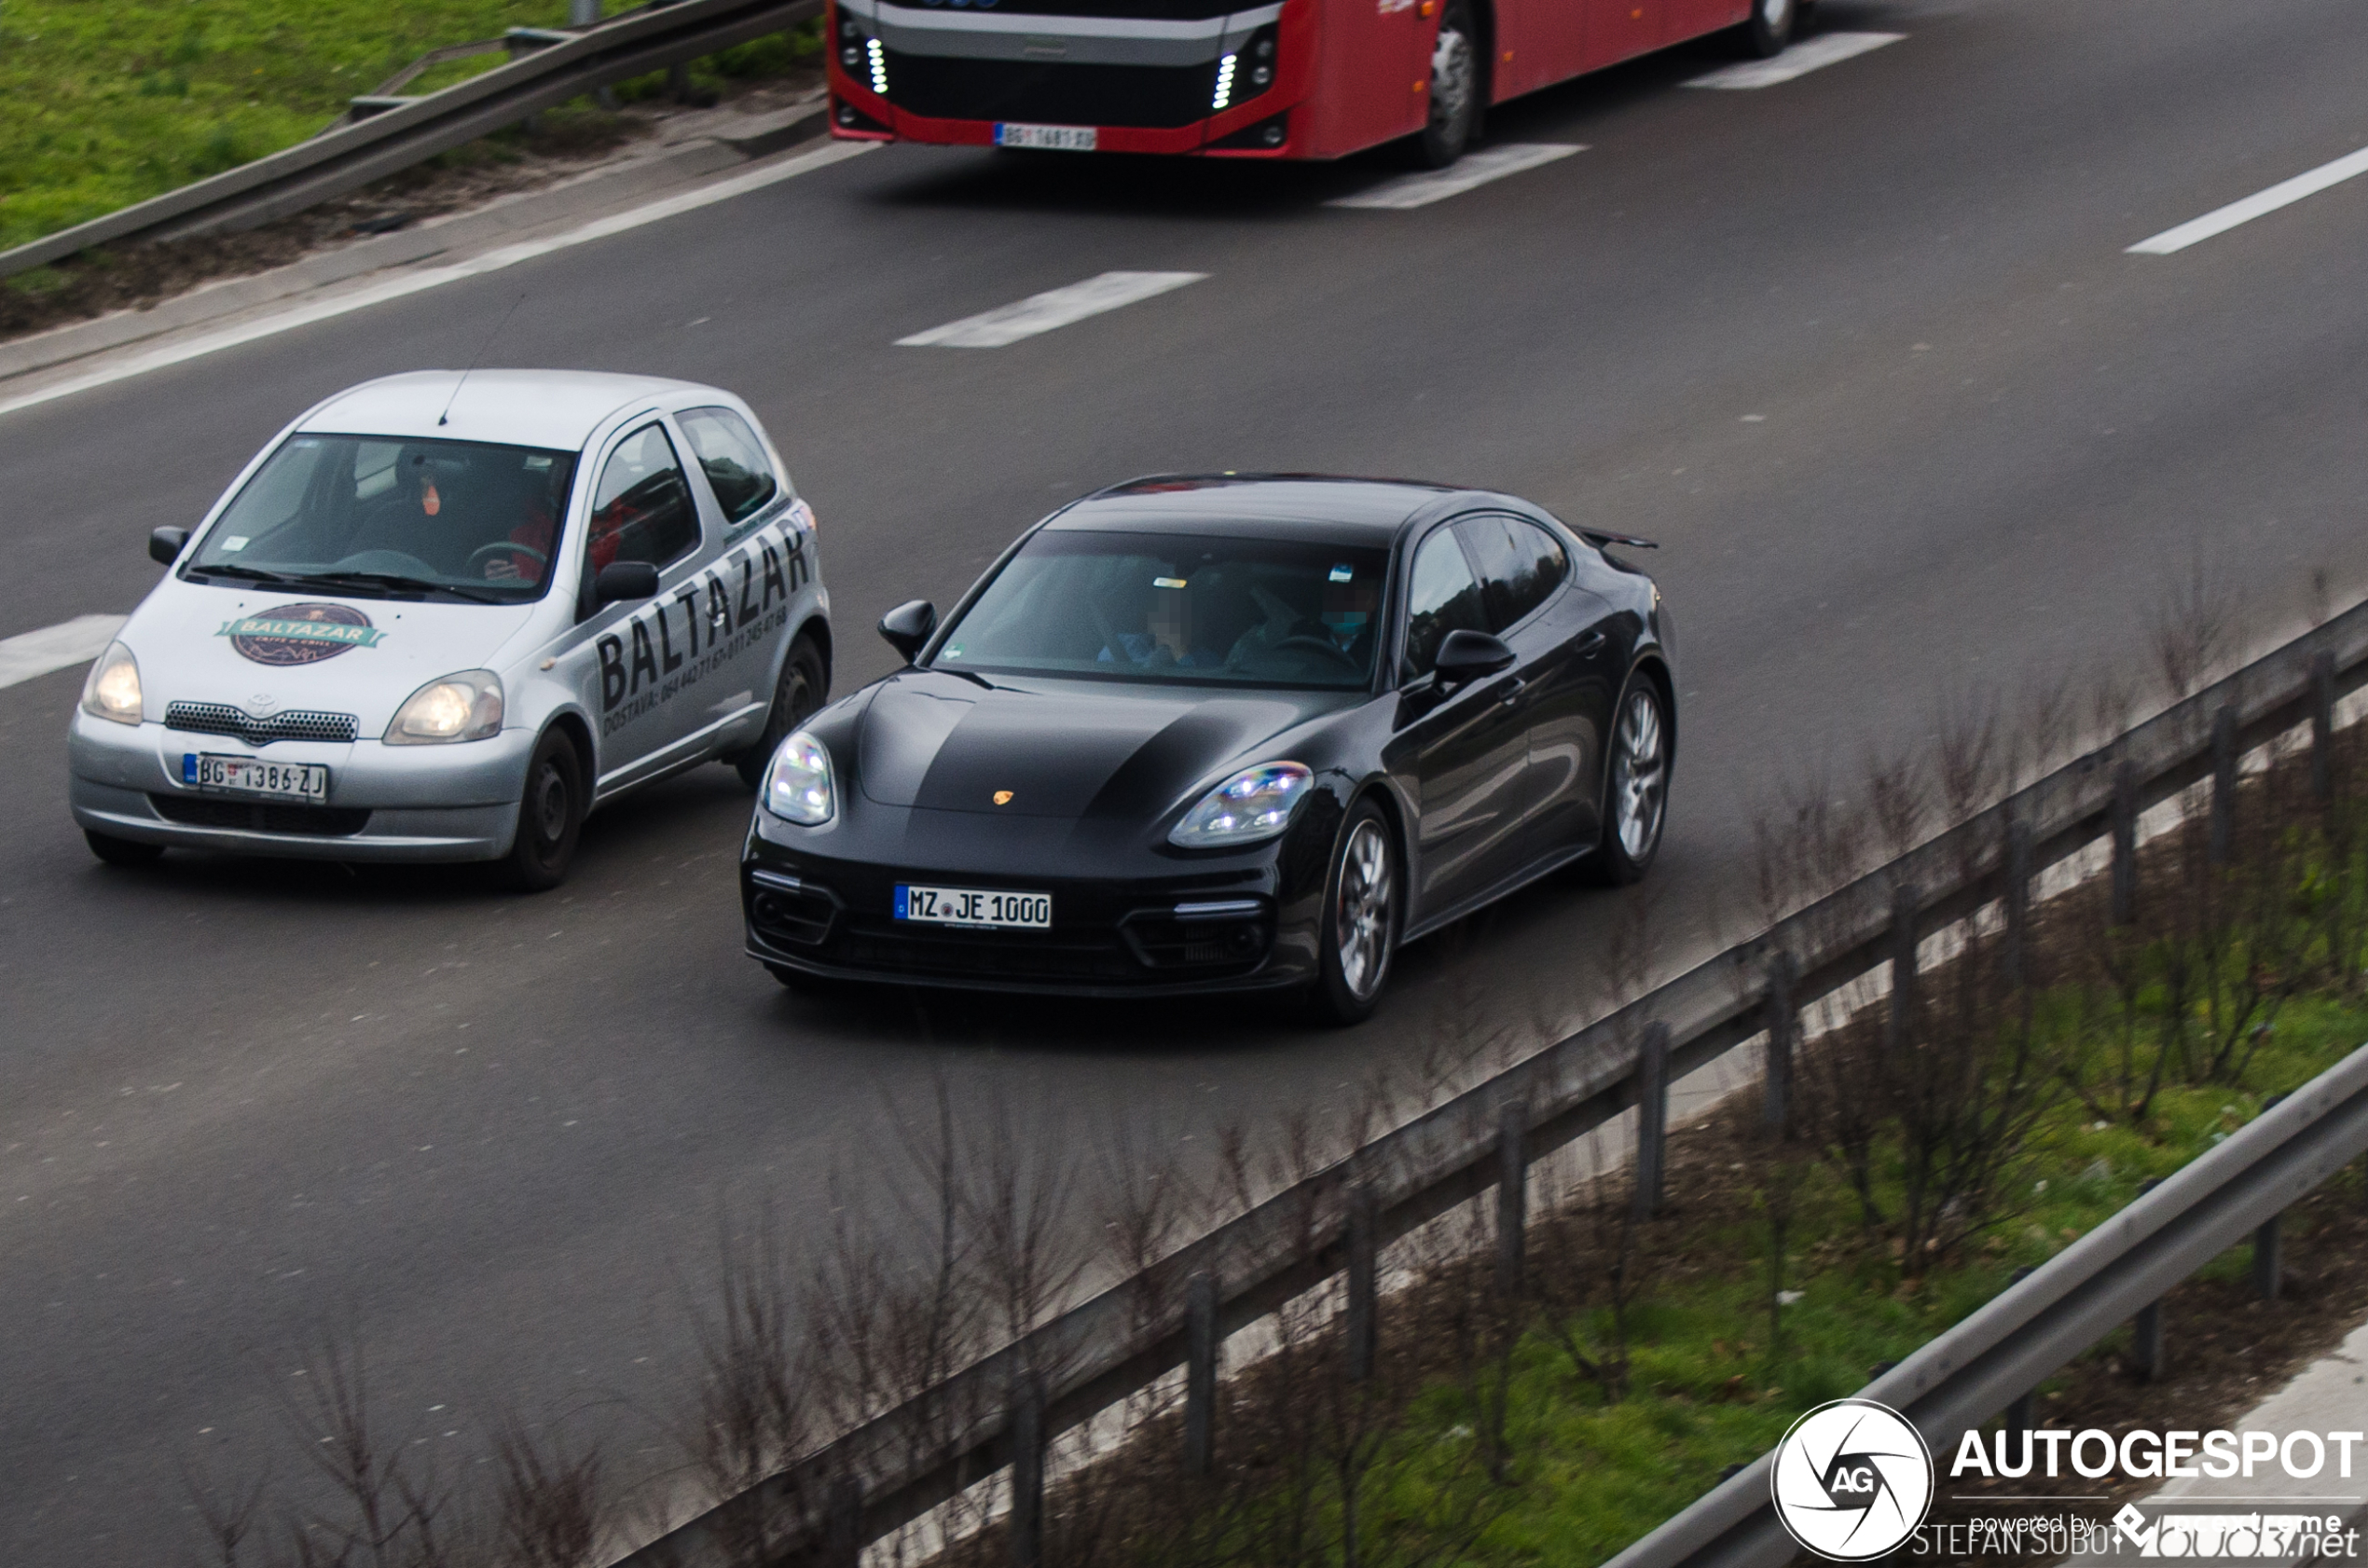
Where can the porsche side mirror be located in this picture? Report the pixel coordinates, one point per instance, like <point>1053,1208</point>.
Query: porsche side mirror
<point>622,581</point>
<point>165,545</point>
<point>1467,656</point>
<point>908,626</point>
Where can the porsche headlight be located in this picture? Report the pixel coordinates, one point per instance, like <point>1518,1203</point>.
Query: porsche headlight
<point>462,706</point>
<point>113,690</point>
<point>1255,804</point>
<point>797,784</point>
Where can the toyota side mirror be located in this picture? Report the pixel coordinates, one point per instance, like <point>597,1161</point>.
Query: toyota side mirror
<point>1467,656</point>
<point>907,626</point>
<point>621,581</point>
<point>166,544</point>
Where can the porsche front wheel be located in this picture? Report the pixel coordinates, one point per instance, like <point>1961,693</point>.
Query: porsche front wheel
<point>1362,898</point>
<point>1636,787</point>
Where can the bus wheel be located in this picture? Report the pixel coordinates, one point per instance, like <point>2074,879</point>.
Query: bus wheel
<point>1456,89</point>
<point>1770,27</point>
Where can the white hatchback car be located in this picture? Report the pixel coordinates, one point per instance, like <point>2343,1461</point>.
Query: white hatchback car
<point>442,617</point>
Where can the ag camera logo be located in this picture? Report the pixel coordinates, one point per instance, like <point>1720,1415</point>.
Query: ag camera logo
<point>1852,1481</point>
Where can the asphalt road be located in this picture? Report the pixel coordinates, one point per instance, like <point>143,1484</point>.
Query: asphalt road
<point>1864,350</point>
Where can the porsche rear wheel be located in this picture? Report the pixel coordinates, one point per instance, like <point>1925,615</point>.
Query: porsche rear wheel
<point>1362,898</point>
<point>1770,27</point>
<point>550,816</point>
<point>805,685</point>
<point>1636,787</point>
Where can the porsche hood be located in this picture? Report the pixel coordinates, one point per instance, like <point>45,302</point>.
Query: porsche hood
<point>1080,750</point>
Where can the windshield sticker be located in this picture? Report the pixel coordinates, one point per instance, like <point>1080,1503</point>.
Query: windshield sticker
<point>700,627</point>
<point>1167,582</point>
<point>300,634</point>
<point>1343,573</point>
<point>237,541</point>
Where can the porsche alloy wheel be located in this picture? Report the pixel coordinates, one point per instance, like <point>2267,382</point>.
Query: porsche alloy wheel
<point>1770,27</point>
<point>1636,791</point>
<point>1360,920</point>
<point>1455,90</point>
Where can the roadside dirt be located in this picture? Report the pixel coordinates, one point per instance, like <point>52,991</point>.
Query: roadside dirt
<point>566,143</point>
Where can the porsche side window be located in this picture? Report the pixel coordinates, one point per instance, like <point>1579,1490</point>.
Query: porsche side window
<point>733,458</point>
<point>1520,566</point>
<point>642,507</point>
<point>1441,597</point>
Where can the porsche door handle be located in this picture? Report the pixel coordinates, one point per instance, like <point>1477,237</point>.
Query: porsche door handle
<point>1589,646</point>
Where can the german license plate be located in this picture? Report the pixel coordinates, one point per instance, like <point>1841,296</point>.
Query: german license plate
<point>1054,138</point>
<point>973,906</point>
<point>253,775</point>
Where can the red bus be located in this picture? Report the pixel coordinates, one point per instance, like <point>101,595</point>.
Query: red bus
<point>1290,78</point>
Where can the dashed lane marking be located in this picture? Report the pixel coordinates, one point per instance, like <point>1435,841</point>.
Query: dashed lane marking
<point>1054,307</point>
<point>2283,194</point>
<point>1810,54</point>
<point>69,642</point>
<point>1474,169</point>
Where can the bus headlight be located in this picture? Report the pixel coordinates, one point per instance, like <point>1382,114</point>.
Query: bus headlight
<point>113,688</point>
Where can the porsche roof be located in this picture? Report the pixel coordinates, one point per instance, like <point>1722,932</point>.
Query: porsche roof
<point>557,409</point>
<point>1335,508</point>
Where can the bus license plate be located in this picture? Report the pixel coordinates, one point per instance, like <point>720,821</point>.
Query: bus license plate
<point>253,775</point>
<point>973,906</point>
<point>1057,138</point>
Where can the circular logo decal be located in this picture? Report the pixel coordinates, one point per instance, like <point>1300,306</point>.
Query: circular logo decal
<point>1852,1481</point>
<point>300,634</point>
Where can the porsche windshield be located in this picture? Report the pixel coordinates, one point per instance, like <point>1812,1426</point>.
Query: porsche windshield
<point>1177,609</point>
<point>373,513</point>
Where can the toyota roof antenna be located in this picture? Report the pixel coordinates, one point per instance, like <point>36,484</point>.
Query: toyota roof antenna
<point>479,358</point>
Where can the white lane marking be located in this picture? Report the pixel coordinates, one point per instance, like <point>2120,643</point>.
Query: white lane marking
<point>2283,194</point>
<point>1810,54</point>
<point>1043,312</point>
<point>69,642</point>
<point>1474,169</point>
<point>436,276</point>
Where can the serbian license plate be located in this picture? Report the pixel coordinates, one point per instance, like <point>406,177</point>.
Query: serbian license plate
<point>1057,138</point>
<point>253,775</point>
<point>973,906</point>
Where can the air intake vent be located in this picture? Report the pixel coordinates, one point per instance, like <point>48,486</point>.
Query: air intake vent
<point>220,718</point>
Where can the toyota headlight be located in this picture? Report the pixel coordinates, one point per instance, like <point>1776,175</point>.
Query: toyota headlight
<point>797,784</point>
<point>462,706</point>
<point>113,690</point>
<point>1255,804</point>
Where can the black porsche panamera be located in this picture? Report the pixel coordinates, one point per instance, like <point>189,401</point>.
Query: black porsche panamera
<point>1223,733</point>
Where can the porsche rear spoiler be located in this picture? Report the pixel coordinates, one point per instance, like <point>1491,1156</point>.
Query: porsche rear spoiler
<point>1598,538</point>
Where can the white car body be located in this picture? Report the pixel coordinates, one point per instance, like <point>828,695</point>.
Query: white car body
<point>645,688</point>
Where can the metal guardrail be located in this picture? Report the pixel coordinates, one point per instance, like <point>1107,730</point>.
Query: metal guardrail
<point>2033,1330</point>
<point>349,157</point>
<point>1005,1407</point>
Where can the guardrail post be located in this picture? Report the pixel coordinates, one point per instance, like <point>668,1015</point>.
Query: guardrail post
<point>1199,1374</point>
<point>2124,831</point>
<point>2322,726</point>
<point>2223,784</point>
<point>1364,1222</point>
<point>1905,899</point>
<point>2023,1414</point>
<point>2268,1256</point>
<point>843,1525</point>
<point>2146,1329</point>
<point>2017,898</point>
<point>1027,1474</point>
<point>583,13</point>
<point>1652,1118</point>
<point>1783,1036</point>
<point>1512,1193</point>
